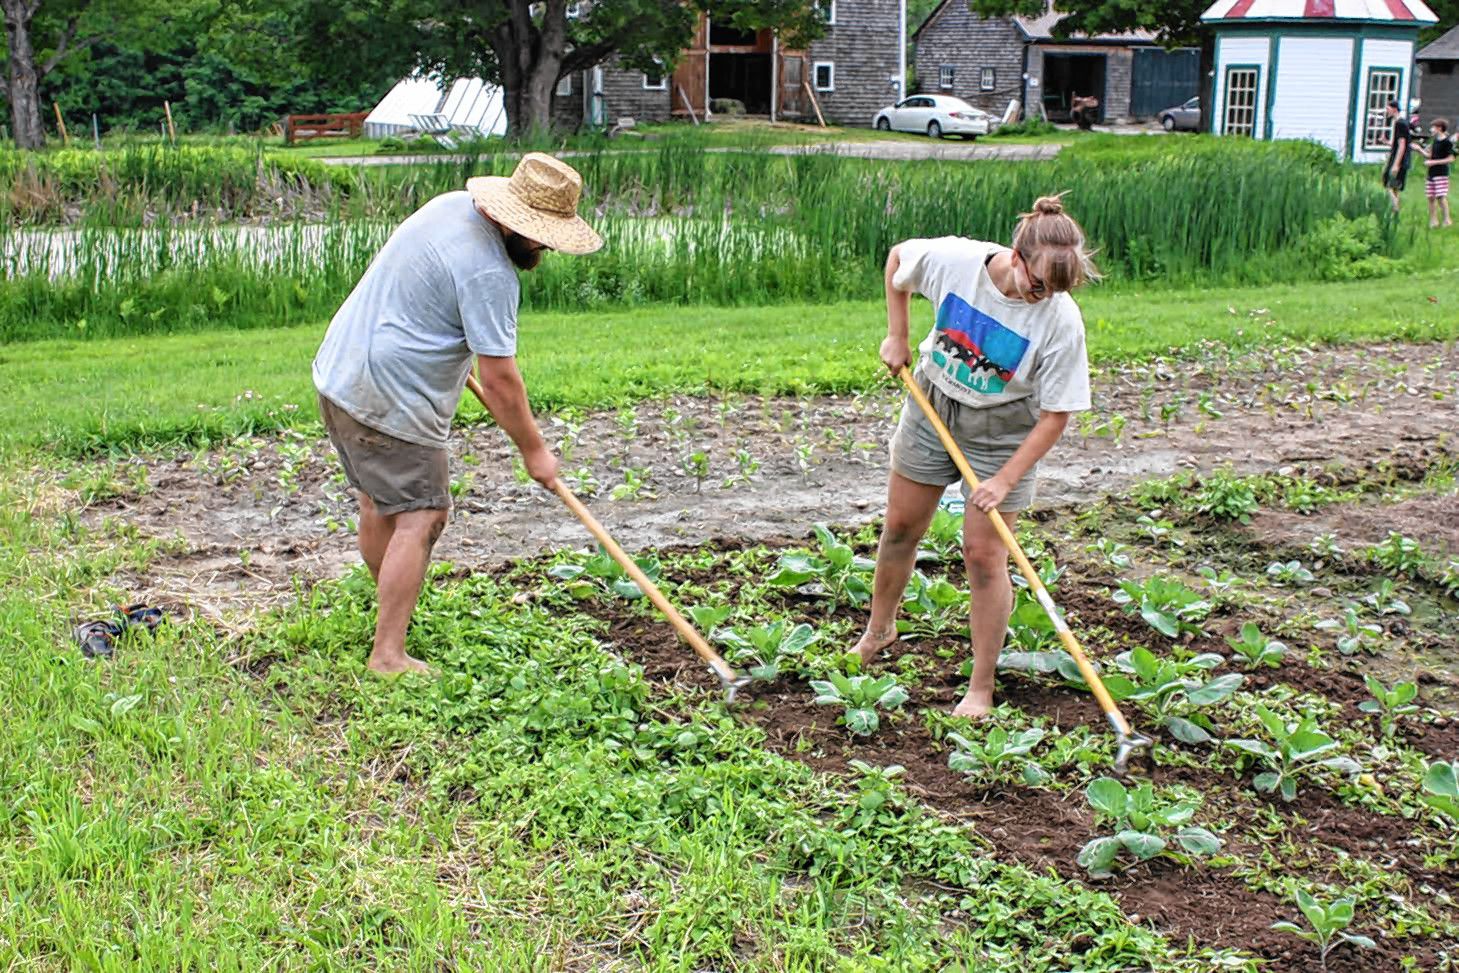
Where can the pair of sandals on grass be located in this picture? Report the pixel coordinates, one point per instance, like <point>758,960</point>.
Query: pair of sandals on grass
<point>98,638</point>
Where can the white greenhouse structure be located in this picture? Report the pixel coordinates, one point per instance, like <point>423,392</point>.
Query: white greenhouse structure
<point>1314,69</point>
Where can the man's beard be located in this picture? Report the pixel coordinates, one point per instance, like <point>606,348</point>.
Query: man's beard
<point>523,252</point>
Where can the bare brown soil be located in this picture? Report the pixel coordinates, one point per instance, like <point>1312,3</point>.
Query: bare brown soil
<point>254,517</point>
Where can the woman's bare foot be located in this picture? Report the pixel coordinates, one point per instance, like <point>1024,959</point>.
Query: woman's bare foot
<point>975,705</point>
<point>398,665</point>
<point>873,642</point>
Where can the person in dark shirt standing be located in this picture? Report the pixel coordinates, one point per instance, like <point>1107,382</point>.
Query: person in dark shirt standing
<point>1436,186</point>
<point>1395,171</point>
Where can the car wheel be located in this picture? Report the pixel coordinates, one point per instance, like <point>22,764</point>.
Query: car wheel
<point>934,130</point>
<point>1168,122</point>
<point>883,124</point>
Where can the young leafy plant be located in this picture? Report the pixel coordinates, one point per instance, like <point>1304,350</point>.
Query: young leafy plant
<point>1168,606</point>
<point>944,538</point>
<point>1441,787</point>
<point>1326,925</point>
<point>1144,826</point>
<point>601,572</point>
<point>1385,601</point>
<point>1389,704</point>
<point>929,607</point>
<point>1226,496</point>
<point>765,648</point>
<point>1256,648</point>
<point>1289,572</point>
<point>987,759</point>
<point>1292,753</point>
<point>1172,690</point>
<point>861,697</point>
<point>842,575</point>
<point>1398,555</point>
<point>1354,635</point>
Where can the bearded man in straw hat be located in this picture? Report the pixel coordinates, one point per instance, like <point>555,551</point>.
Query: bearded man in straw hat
<point>440,296</point>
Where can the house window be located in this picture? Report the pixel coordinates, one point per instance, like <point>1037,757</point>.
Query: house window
<point>1240,101</point>
<point>564,86</point>
<point>986,79</point>
<point>656,80</point>
<point>1383,84</point>
<point>827,9</point>
<point>825,74</point>
<point>574,11</point>
<point>944,76</point>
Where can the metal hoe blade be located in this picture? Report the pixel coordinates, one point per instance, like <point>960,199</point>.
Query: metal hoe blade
<point>1125,746</point>
<point>731,686</point>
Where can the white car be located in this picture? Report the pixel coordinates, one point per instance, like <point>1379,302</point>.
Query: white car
<point>937,115</point>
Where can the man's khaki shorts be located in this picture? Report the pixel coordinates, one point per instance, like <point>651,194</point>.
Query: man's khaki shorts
<point>396,475</point>
<point>987,437</point>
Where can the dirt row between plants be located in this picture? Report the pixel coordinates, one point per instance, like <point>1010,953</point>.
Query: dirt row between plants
<point>252,518</point>
<point>1045,830</point>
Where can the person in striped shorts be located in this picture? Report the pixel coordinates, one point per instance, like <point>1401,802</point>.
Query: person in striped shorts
<point>1436,186</point>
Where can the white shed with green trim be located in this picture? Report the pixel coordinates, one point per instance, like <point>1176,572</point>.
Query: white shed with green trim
<point>1314,69</point>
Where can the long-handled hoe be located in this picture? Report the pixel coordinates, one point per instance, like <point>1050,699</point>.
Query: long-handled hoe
<point>1126,739</point>
<point>729,679</point>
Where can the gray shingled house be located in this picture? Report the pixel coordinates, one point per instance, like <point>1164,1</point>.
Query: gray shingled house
<point>989,62</point>
<point>851,73</point>
<point>1438,80</point>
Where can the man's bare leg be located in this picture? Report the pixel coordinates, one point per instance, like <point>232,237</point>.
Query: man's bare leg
<point>910,507</point>
<point>374,535</point>
<point>402,570</point>
<point>986,560</point>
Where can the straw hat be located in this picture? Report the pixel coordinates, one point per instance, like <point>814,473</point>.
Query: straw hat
<point>539,201</point>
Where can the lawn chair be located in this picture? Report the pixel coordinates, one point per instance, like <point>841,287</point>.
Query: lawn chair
<point>438,127</point>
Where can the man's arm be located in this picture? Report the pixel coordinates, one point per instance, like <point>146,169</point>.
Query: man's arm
<point>506,400</point>
<point>895,353</point>
<point>1399,156</point>
<point>991,492</point>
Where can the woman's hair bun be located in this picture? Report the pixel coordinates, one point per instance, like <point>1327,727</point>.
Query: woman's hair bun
<point>1049,205</point>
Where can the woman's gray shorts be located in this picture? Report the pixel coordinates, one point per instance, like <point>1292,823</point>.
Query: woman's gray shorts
<point>987,437</point>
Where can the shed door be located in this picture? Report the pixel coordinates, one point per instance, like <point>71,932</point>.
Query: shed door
<point>690,81</point>
<point>791,70</point>
<point>1163,79</point>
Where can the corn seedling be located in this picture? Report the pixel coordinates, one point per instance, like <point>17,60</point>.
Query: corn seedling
<point>1145,825</point>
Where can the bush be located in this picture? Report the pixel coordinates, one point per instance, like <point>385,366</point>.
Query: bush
<point>1343,248</point>
<point>1029,126</point>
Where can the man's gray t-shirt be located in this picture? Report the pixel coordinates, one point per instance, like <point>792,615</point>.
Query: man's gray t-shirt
<point>440,291</point>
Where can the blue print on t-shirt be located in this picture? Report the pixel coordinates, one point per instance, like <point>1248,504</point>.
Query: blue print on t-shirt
<point>974,349</point>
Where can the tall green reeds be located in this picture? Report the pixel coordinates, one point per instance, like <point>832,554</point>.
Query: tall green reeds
<point>682,225</point>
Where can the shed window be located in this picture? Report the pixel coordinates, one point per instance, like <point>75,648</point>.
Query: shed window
<point>1241,84</point>
<point>564,86</point>
<point>825,74</point>
<point>655,80</point>
<point>945,75</point>
<point>1383,84</point>
<point>987,79</point>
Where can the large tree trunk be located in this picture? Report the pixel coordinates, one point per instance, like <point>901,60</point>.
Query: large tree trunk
<point>24,81</point>
<point>530,60</point>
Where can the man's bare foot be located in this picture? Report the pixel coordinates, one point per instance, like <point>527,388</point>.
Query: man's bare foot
<point>398,665</point>
<point>975,705</point>
<point>873,642</point>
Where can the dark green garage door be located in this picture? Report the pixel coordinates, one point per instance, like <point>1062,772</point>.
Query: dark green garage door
<point>1163,79</point>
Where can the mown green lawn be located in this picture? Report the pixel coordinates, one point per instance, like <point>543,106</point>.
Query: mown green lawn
<point>131,392</point>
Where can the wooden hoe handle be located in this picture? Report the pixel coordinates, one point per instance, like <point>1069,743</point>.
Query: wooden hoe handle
<point>1096,685</point>
<point>686,631</point>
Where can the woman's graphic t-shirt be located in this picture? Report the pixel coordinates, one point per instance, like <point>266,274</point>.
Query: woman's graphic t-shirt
<point>986,348</point>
